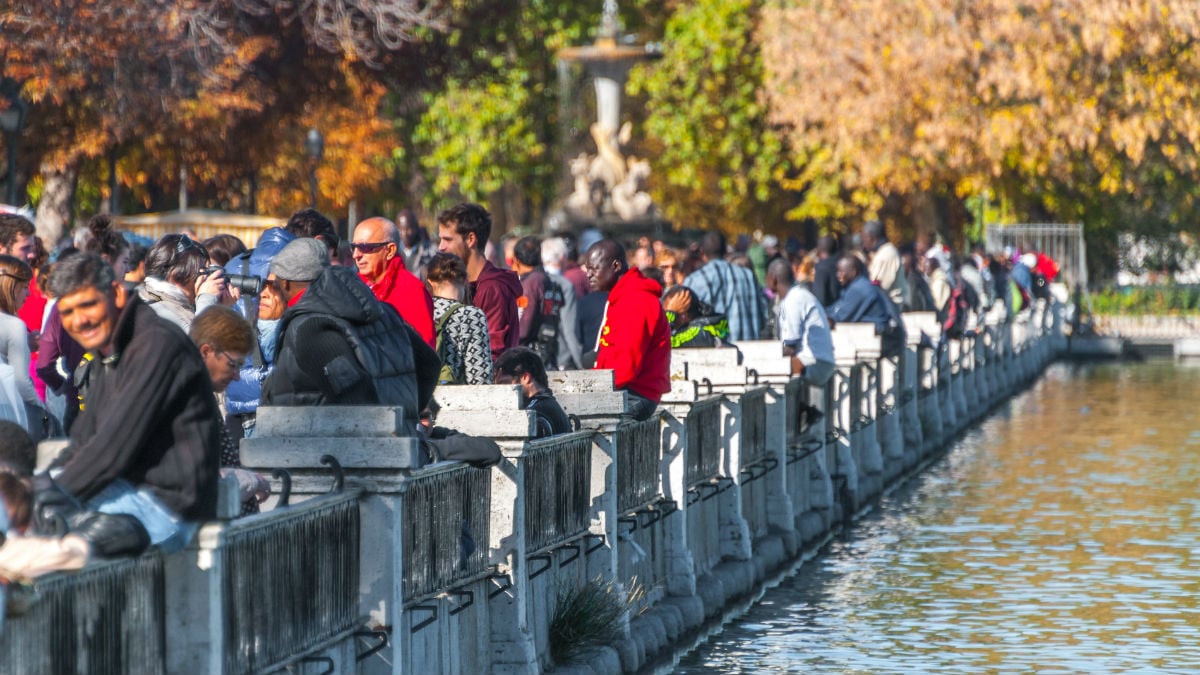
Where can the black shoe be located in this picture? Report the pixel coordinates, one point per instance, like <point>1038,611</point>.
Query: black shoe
<point>111,536</point>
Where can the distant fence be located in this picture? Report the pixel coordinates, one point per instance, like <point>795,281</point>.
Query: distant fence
<point>1063,243</point>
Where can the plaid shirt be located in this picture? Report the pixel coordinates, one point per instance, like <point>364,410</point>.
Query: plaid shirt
<point>733,291</point>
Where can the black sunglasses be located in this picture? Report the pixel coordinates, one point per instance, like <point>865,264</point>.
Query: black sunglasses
<point>370,247</point>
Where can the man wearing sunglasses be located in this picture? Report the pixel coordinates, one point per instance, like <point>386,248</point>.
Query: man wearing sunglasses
<point>376,247</point>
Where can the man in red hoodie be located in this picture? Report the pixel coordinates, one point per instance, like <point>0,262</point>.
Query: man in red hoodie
<point>376,247</point>
<point>635,338</point>
<point>464,230</point>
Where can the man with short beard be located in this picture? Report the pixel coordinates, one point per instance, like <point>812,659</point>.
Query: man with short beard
<point>464,230</point>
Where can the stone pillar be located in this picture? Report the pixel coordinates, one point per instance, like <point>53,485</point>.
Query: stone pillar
<point>681,570</point>
<point>781,513</point>
<point>889,411</point>
<point>957,389</point>
<point>914,438</point>
<point>735,533</point>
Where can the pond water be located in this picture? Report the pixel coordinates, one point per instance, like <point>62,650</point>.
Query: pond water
<point>1061,535</point>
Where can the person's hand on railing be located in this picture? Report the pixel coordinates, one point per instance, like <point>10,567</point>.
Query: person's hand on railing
<point>251,485</point>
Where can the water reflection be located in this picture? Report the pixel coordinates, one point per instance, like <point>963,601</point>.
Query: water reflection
<point>1058,537</point>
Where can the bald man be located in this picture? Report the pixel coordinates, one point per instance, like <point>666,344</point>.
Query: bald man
<point>635,338</point>
<point>376,254</point>
<point>861,300</point>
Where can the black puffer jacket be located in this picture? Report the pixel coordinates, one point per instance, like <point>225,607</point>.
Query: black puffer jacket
<point>338,345</point>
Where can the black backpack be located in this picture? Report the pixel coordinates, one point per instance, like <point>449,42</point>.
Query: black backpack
<point>545,333</point>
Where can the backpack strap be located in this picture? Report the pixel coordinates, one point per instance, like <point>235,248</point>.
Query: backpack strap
<point>441,323</point>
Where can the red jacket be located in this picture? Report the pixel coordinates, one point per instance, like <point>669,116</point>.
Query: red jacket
<point>635,341</point>
<point>495,291</point>
<point>400,289</point>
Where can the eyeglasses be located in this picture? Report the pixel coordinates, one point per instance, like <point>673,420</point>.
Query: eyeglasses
<point>370,247</point>
<point>235,364</point>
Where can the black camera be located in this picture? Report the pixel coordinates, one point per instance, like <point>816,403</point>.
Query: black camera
<point>248,284</point>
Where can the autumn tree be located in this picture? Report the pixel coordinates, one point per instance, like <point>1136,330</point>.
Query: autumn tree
<point>933,100</point>
<point>216,85</point>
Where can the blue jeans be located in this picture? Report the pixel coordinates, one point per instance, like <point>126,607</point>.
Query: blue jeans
<point>167,530</point>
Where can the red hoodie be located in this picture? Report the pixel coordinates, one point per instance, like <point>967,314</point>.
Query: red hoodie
<point>635,341</point>
<point>400,289</point>
<point>495,291</point>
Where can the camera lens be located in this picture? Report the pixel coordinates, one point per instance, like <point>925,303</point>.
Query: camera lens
<point>248,284</point>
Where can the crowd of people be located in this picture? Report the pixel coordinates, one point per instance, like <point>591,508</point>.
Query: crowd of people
<point>154,362</point>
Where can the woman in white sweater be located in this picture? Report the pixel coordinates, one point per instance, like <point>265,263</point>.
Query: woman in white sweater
<point>14,337</point>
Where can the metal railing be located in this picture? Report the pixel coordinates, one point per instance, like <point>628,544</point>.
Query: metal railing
<point>105,618</point>
<point>558,474</point>
<point>754,426</point>
<point>639,454</point>
<point>703,429</point>
<point>446,529</point>
<point>290,582</point>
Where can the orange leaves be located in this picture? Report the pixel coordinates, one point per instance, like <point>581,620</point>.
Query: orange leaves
<point>909,94</point>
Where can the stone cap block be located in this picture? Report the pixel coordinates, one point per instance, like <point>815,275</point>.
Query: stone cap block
<point>855,342</point>
<point>916,323</point>
<point>494,424</point>
<point>684,391</point>
<point>580,381</point>
<point>478,397</point>
<point>766,358</point>
<point>719,357</point>
<point>388,452</point>
<point>587,393</point>
<point>333,421</point>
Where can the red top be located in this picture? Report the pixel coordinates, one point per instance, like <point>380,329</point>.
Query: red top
<point>400,289</point>
<point>635,340</point>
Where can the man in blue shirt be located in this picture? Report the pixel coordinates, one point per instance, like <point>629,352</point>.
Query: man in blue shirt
<point>861,300</point>
<point>864,302</point>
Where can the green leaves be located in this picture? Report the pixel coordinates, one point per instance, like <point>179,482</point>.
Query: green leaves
<point>718,160</point>
<point>478,136</point>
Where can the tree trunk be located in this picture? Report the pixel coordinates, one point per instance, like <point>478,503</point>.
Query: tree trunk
<point>54,212</point>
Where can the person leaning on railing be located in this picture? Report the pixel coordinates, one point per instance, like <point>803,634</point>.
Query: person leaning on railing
<point>141,467</point>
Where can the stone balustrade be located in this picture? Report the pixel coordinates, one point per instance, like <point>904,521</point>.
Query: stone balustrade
<point>378,563</point>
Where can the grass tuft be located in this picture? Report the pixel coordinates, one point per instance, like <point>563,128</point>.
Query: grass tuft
<point>587,616</point>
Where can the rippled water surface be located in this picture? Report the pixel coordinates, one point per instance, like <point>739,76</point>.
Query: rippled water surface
<point>1059,536</point>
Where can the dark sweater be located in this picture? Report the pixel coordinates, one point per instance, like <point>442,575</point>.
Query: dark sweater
<point>825,284</point>
<point>149,417</point>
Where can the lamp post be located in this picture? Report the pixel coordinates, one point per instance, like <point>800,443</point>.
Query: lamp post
<point>12,120</point>
<point>314,146</point>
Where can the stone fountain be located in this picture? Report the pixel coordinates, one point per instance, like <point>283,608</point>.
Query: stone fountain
<point>608,185</point>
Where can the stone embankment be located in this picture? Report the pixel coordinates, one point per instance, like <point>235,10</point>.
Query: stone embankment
<point>371,566</point>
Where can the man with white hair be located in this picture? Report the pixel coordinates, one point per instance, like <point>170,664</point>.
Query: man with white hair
<point>570,351</point>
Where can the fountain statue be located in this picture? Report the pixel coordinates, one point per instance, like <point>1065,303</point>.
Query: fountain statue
<point>609,185</point>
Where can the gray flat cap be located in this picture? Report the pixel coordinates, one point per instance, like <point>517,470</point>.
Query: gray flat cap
<point>301,260</point>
